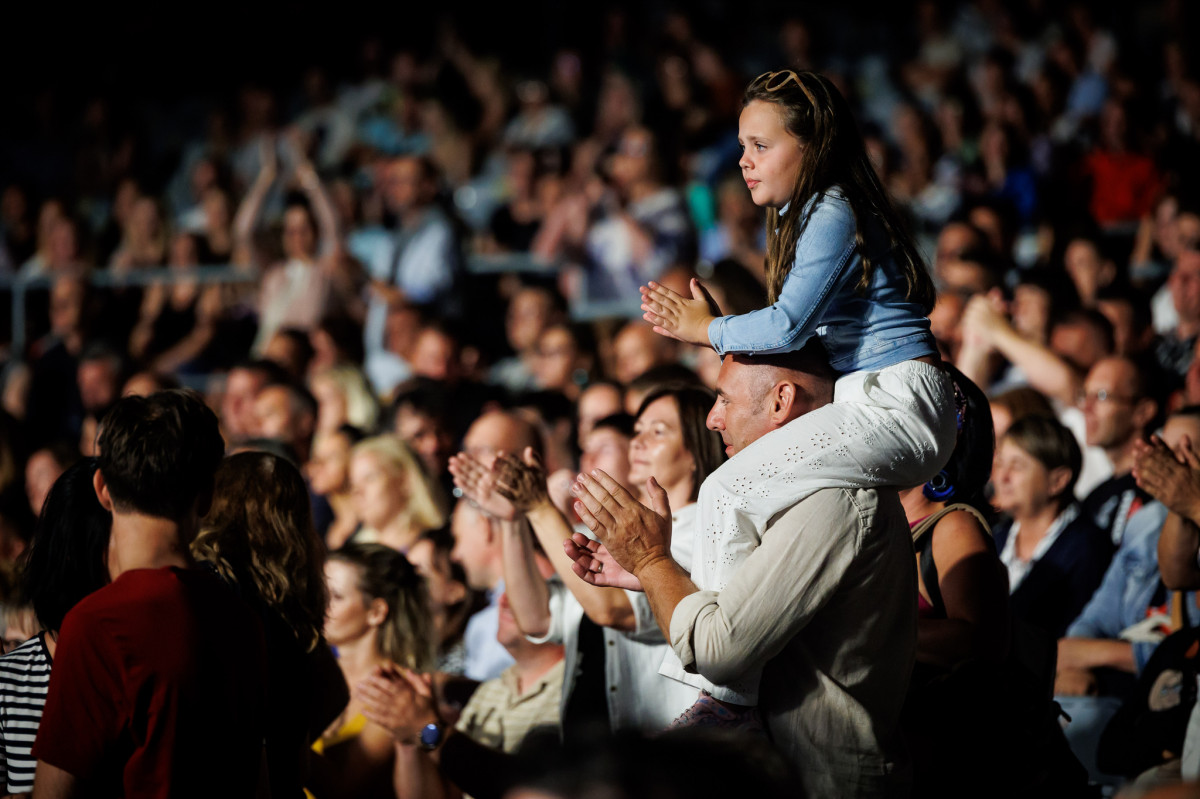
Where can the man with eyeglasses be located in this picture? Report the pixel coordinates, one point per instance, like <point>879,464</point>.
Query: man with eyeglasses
<point>1117,409</point>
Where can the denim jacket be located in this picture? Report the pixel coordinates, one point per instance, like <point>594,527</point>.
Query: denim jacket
<point>861,331</point>
<point>1129,585</point>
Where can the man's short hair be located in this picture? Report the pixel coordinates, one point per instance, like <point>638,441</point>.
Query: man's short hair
<point>159,453</point>
<point>810,359</point>
<point>300,399</point>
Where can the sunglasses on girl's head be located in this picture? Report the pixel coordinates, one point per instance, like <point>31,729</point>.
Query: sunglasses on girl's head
<point>774,81</point>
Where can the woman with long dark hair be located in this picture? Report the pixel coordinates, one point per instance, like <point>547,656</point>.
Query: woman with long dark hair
<point>65,563</point>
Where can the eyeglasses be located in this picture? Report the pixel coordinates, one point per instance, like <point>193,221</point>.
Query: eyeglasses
<point>774,81</point>
<point>1100,395</point>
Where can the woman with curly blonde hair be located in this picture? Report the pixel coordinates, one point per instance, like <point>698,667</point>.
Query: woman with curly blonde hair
<point>259,536</point>
<point>395,499</point>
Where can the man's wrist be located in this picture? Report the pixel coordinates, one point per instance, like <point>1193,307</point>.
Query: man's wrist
<point>654,563</point>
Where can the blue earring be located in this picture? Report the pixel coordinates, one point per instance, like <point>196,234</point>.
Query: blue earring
<point>939,489</point>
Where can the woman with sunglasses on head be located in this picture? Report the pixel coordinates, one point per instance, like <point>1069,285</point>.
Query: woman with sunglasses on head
<point>841,267</point>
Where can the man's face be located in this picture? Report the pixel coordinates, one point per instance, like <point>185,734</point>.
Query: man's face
<point>1109,420</point>
<point>494,433</point>
<point>1185,285</point>
<point>741,412</point>
<point>237,406</point>
<point>273,414</point>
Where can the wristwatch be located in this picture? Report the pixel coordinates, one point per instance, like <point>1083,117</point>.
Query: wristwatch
<point>432,735</point>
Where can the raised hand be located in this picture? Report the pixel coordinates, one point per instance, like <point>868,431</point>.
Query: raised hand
<point>594,564</point>
<point>679,317</point>
<point>522,481</point>
<point>634,534</point>
<point>478,484</point>
<point>1173,478</point>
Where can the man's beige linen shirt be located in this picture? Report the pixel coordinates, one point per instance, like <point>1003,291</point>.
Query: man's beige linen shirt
<point>828,603</point>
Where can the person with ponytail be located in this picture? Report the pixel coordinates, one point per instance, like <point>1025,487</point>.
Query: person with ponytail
<point>379,615</point>
<point>842,268</point>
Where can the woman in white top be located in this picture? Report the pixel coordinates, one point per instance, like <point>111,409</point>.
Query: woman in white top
<point>671,444</point>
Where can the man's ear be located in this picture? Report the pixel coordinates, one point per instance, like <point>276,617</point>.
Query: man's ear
<point>1143,412</point>
<point>101,489</point>
<point>783,397</point>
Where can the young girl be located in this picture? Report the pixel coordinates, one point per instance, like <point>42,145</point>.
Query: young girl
<point>840,266</point>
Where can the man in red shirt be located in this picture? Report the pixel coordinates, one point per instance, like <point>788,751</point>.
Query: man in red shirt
<point>158,682</point>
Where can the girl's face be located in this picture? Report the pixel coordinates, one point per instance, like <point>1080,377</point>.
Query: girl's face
<point>380,495</point>
<point>657,448</point>
<point>771,157</point>
<point>349,617</point>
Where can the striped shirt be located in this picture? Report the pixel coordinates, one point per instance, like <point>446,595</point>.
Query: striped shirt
<point>24,680</point>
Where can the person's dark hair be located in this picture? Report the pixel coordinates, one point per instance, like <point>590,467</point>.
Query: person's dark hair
<point>259,534</point>
<point>271,372</point>
<point>66,560</point>
<point>346,335</point>
<point>1064,297</point>
<point>299,397</point>
<point>158,454</point>
<point>1138,302</point>
<point>1023,401</point>
<point>1053,445</point>
<point>302,345</point>
<point>966,474</point>
<point>704,445</point>
<point>620,422</point>
<point>1101,328</point>
<point>815,112</point>
<point>666,374</point>
<point>423,396</point>
<point>742,291</point>
<point>406,636</point>
<point>994,266</point>
<point>1186,412</point>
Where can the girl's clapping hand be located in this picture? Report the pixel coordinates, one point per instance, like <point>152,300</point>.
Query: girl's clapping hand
<point>679,317</point>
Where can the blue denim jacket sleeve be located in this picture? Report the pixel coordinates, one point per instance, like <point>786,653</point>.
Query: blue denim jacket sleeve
<point>821,271</point>
<point>1128,586</point>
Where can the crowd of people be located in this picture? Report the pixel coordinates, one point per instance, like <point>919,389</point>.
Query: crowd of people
<point>508,430</point>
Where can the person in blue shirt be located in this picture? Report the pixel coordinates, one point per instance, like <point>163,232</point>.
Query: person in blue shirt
<point>840,267</point>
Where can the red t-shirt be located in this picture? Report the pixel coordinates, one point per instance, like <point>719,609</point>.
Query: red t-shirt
<point>157,689</point>
<point>1124,186</point>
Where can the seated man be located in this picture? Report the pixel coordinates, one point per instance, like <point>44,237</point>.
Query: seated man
<point>166,661</point>
<point>826,604</point>
<point>498,717</point>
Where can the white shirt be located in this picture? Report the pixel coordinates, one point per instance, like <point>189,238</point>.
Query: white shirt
<point>1017,568</point>
<point>638,696</point>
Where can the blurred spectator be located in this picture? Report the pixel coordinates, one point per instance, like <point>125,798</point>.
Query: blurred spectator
<point>242,385</point>
<point>286,412</point>
<point>44,467</point>
<point>1054,555</point>
<point>393,497</point>
<point>343,397</point>
<point>328,473</point>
